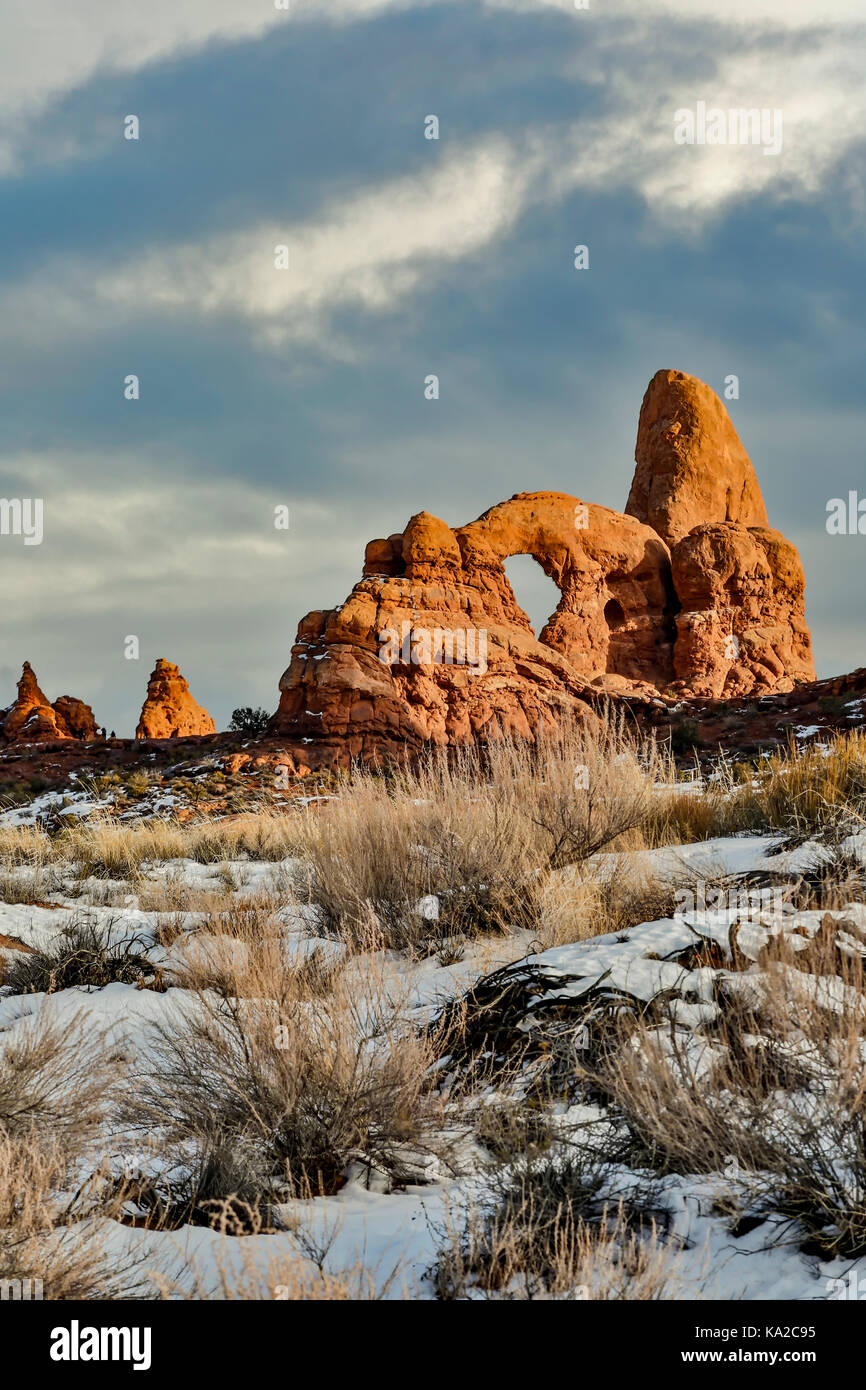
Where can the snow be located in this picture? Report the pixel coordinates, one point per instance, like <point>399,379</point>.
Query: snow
<point>392,1238</point>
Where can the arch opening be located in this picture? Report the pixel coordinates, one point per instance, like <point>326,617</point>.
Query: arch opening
<point>535,591</point>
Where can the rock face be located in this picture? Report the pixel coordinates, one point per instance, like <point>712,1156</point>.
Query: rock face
<point>169,711</point>
<point>33,719</point>
<point>690,465</point>
<point>687,593</point>
<point>742,628</point>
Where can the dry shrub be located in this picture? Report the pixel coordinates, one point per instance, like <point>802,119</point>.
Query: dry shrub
<point>56,1247</point>
<point>679,1119</point>
<point>274,1091</point>
<point>581,787</point>
<point>55,1079</point>
<point>548,1234</point>
<point>379,848</point>
<point>82,955</point>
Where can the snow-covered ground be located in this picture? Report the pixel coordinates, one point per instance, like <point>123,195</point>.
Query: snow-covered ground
<point>388,1240</point>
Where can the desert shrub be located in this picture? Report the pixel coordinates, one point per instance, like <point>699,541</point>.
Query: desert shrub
<point>56,1084</point>
<point>685,736</point>
<point>512,1130</point>
<point>275,1094</point>
<point>249,721</point>
<point>55,1079</point>
<point>548,1232</point>
<point>83,955</point>
<point>239,949</point>
<point>374,854</point>
<point>52,1246</point>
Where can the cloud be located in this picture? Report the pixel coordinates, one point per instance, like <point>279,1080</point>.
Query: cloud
<point>786,14</point>
<point>369,253</point>
<point>200,575</point>
<point>51,48</point>
<point>375,251</point>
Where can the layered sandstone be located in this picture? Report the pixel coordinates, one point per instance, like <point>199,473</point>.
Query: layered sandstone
<point>34,719</point>
<point>688,593</point>
<point>169,710</point>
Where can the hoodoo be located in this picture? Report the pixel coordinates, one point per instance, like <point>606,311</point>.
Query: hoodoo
<point>169,711</point>
<point>33,719</point>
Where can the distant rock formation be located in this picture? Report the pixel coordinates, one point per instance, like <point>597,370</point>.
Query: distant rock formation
<point>689,593</point>
<point>33,719</point>
<point>169,711</point>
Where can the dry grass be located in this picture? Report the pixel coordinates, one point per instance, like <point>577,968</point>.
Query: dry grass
<point>32,886</point>
<point>577,905</point>
<point>813,789</point>
<point>479,834</point>
<point>549,1235</point>
<point>817,790</point>
<point>55,1085</point>
<point>107,848</point>
<point>239,949</point>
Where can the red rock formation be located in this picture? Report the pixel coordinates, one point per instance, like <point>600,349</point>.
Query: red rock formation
<point>431,645</point>
<point>33,719</point>
<point>169,711</point>
<point>690,465</point>
<point>743,626</point>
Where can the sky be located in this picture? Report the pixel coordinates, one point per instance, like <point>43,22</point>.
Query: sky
<point>304,388</point>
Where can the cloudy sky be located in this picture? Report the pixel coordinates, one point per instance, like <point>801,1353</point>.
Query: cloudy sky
<point>407,257</point>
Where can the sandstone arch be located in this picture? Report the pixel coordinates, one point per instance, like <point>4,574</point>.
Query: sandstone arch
<point>634,616</point>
